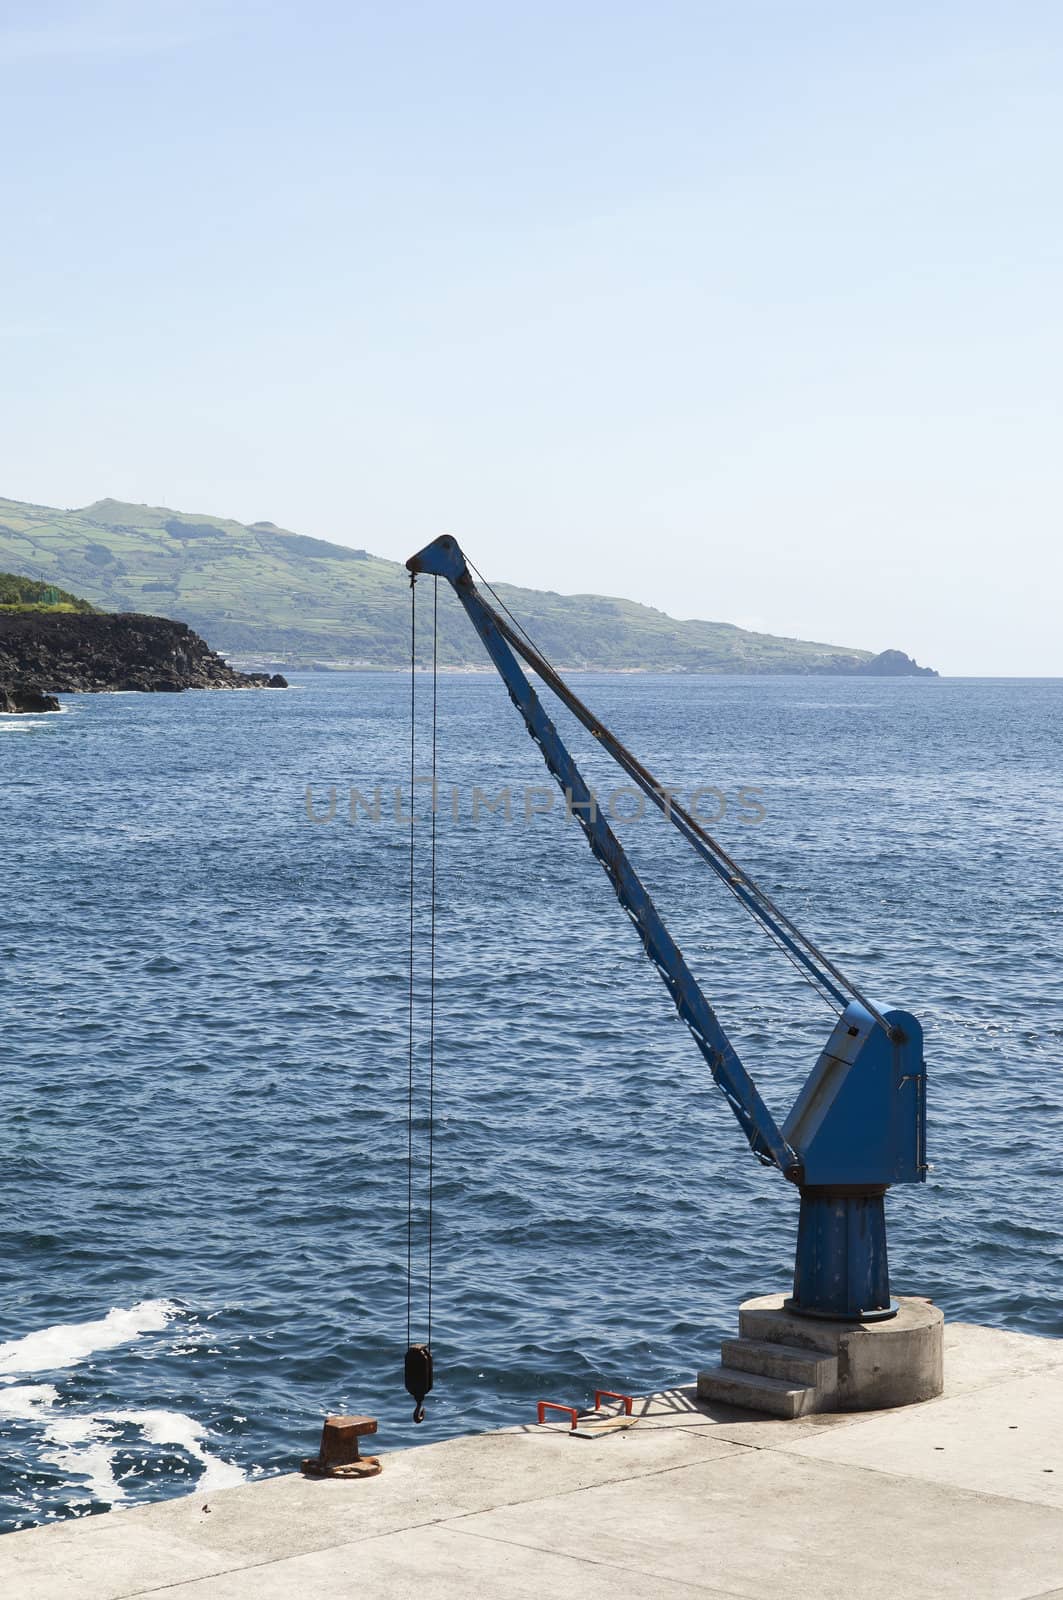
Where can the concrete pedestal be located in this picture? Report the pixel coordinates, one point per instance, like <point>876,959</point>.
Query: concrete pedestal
<point>789,1365</point>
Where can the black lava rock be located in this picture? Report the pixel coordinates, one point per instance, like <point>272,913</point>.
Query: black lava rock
<point>20,699</point>
<point>42,653</point>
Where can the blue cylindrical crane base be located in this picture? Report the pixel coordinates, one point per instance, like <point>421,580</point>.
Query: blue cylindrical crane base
<point>841,1271</point>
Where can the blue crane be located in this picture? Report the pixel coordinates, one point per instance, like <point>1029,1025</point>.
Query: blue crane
<point>858,1125</point>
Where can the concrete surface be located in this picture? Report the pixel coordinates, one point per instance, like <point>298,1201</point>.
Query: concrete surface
<point>960,1496</point>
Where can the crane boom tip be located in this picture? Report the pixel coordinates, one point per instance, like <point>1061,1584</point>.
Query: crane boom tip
<point>443,557</point>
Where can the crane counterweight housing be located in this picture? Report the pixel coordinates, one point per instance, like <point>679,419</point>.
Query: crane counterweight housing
<point>858,1124</point>
<point>860,1117</point>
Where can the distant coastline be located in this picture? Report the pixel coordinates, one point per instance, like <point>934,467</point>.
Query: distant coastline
<point>262,592</point>
<point>895,665</point>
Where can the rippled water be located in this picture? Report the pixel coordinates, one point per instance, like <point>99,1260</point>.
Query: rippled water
<point>204,1137</point>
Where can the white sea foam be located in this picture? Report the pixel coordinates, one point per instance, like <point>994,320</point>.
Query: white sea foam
<point>82,1444</point>
<point>68,1343</point>
<point>173,1427</point>
<point>81,1451</point>
<point>13,720</point>
<point>25,1401</point>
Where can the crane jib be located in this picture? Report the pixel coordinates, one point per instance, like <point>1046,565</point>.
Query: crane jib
<point>858,1125</point>
<point>757,1122</point>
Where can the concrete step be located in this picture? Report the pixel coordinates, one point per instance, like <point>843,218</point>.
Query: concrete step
<point>811,1367</point>
<point>779,1397</point>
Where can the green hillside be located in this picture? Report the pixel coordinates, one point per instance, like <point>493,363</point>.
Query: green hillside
<point>18,593</point>
<point>260,590</point>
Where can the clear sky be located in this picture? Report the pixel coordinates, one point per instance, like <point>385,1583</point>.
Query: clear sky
<point>747,310</point>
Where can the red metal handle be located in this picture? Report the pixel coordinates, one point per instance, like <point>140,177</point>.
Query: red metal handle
<point>610,1394</point>
<point>551,1405</point>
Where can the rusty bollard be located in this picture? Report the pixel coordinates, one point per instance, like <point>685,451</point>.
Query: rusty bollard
<point>338,1456</point>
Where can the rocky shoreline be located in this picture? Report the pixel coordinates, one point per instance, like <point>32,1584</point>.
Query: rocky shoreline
<point>887,664</point>
<point>43,654</point>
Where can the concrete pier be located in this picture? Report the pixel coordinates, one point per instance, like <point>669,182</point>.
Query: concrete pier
<point>961,1496</point>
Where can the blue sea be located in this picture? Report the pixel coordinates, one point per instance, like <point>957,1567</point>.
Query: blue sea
<point>205,1008</point>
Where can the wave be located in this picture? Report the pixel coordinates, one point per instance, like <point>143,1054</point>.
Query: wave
<point>23,1402</point>
<point>83,1444</point>
<point>81,1451</point>
<point>175,1428</point>
<point>33,719</point>
<point>65,1344</point>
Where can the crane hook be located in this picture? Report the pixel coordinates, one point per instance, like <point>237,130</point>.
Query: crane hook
<point>418,1375</point>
